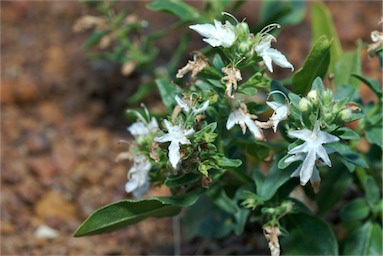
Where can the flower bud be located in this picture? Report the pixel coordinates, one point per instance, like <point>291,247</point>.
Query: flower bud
<point>328,117</point>
<point>345,114</point>
<point>313,96</point>
<point>244,47</point>
<point>327,96</point>
<point>304,105</point>
<point>242,31</point>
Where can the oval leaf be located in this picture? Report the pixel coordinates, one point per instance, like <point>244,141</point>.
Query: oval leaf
<point>316,64</point>
<point>176,7</point>
<point>365,240</point>
<point>127,212</point>
<point>308,235</point>
<point>322,24</point>
<point>355,210</point>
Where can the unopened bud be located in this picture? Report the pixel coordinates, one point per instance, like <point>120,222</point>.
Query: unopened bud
<point>242,30</point>
<point>345,114</point>
<point>313,96</point>
<point>327,96</point>
<point>244,47</point>
<point>304,105</point>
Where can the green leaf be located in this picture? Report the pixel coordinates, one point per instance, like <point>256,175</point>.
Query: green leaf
<point>206,220</point>
<point>230,205</point>
<point>347,134</point>
<point>127,212</point>
<point>333,187</point>
<point>372,190</point>
<point>365,240</point>
<point>308,235</point>
<point>322,24</point>
<point>141,93</point>
<point>374,135</point>
<point>92,40</point>
<point>248,90</point>
<point>349,63</point>
<point>181,180</point>
<point>176,7</point>
<point>357,209</point>
<point>225,162</point>
<point>179,53</point>
<point>374,85</point>
<point>167,91</point>
<point>346,153</point>
<point>218,62</point>
<point>316,64</point>
<point>282,12</point>
<point>268,185</point>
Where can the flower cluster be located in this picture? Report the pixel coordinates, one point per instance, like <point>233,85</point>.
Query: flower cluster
<point>186,141</point>
<point>312,113</point>
<point>239,36</point>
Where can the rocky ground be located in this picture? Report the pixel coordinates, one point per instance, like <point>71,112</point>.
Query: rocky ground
<point>62,116</point>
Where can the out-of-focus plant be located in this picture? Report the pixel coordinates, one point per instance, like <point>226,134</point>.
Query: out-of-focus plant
<point>118,36</point>
<point>217,148</point>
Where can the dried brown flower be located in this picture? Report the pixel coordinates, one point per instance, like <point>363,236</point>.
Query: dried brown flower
<point>196,65</point>
<point>271,233</point>
<point>233,75</point>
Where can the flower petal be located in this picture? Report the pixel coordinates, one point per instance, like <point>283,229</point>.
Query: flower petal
<point>138,129</point>
<point>202,108</point>
<point>273,104</point>
<point>301,134</point>
<point>204,30</point>
<point>254,129</point>
<point>294,158</point>
<point>321,152</point>
<point>303,148</point>
<point>326,137</point>
<point>279,58</point>
<point>164,138</point>
<point>174,154</point>
<point>297,172</point>
<point>231,121</point>
<point>307,167</point>
<point>141,190</point>
<point>182,104</point>
<point>131,185</point>
<point>267,60</point>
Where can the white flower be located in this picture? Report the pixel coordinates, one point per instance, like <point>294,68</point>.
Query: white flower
<point>217,35</point>
<point>140,128</point>
<point>138,177</point>
<point>281,113</point>
<point>244,119</point>
<point>309,152</point>
<point>177,136</point>
<point>268,54</point>
<point>186,107</point>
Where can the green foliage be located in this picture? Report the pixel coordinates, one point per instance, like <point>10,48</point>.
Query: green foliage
<point>322,24</point>
<point>284,13</point>
<point>127,212</point>
<point>333,188</point>
<point>355,210</point>
<point>315,65</point>
<point>268,185</point>
<point>365,240</point>
<point>308,235</point>
<point>178,8</point>
<point>167,91</point>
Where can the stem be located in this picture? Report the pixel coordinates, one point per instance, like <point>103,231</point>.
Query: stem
<point>177,235</point>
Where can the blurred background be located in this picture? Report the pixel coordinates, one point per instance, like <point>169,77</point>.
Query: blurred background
<point>62,115</point>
